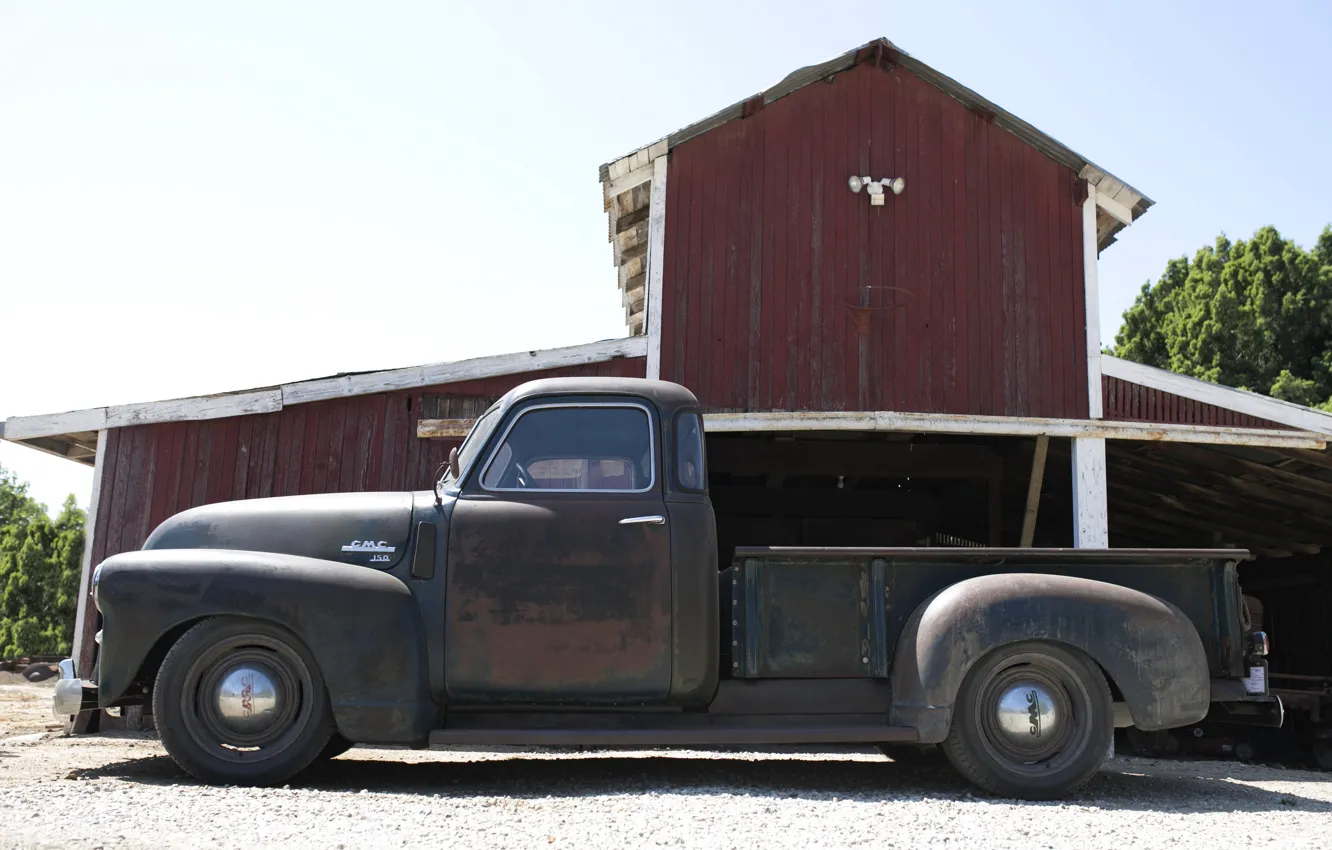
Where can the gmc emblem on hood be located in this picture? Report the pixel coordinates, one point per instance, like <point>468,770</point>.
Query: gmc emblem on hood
<point>368,546</point>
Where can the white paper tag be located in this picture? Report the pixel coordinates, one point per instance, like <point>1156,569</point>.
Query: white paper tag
<point>1257,681</point>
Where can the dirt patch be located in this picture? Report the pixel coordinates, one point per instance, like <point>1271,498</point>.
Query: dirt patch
<point>25,707</point>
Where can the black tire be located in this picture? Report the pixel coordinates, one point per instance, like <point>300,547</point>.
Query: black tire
<point>1005,761</point>
<point>336,746</point>
<point>200,733</point>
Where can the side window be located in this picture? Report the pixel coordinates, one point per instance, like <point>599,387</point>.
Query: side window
<point>689,470</point>
<point>595,447</point>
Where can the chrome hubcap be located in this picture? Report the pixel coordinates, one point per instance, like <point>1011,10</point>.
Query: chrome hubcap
<point>1026,716</point>
<point>249,698</point>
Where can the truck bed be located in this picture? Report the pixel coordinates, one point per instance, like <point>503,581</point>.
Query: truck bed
<point>811,612</point>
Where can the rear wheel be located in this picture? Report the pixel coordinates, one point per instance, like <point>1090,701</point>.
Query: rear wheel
<point>241,701</point>
<point>1032,720</point>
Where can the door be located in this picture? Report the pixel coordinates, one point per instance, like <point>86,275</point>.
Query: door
<point>559,583</point>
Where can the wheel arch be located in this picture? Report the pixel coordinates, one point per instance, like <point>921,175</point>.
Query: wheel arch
<point>1149,651</point>
<point>363,628</point>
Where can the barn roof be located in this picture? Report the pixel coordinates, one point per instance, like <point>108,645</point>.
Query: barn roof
<point>625,180</point>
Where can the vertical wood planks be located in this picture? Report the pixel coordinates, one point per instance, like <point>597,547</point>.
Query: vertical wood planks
<point>784,290</point>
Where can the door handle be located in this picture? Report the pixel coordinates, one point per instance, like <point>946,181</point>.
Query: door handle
<point>644,520</point>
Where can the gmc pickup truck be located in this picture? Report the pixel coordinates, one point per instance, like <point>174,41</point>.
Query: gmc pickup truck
<point>561,587</point>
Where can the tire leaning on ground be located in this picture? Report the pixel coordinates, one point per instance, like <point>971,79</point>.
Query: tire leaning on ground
<point>241,701</point>
<point>336,746</point>
<point>1032,720</point>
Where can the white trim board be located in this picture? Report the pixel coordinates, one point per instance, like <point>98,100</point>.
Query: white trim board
<point>1240,401</point>
<point>1092,302</point>
<point>89,538</point>
<point>656,261</point>
<point>1006,426</point>
<point>18,428</point>
<point>462,370</point>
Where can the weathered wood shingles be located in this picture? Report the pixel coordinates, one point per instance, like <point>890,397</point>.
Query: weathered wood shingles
<point>1125,401</point>
<point>361,443</point>
<point>785,291</point>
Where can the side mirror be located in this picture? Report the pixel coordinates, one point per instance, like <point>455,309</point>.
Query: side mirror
<point>453,462</point>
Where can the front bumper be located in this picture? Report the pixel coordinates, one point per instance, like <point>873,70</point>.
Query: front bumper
<point>72,694</point>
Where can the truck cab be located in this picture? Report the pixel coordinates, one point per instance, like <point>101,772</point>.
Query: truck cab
<point>562,585</point>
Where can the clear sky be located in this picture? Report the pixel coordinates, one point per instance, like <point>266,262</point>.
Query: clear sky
<point>204,197</point>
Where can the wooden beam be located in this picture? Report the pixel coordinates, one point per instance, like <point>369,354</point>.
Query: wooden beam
<point>1092,301</point>
<point>53,424</point>
<point>1091,528</point>
<point>1034,491</point>
<point>1236,466</point>
<point>1113,208</point>
<point>443,429</point>
<point>1240,401</point>
<point>194,409</point>
<point>629,180</point>
<point>656,260</point>
<point>1004,426</point>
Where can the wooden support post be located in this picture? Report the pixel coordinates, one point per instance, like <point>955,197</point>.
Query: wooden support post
<point>83,652</point>
<point>656,260</point>
<point>1091,529</point>
<point>1091,293</point>
<point>1034,491</point>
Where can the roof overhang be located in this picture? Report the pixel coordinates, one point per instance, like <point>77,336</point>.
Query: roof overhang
<point>1205,392</point>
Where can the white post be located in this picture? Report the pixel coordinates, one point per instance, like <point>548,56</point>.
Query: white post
<point>85,568</point>
<point>656,258</point>
<point>1091,293</point>
<point>1091,528</point>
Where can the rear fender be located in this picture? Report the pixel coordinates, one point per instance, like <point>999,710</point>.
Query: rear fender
<point>1148,647</point>
<point>362,626</point>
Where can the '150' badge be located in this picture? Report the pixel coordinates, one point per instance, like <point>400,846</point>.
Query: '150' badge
<point>378,550</point>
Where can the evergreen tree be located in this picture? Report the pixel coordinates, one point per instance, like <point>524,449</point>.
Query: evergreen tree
<point>1255,315</point>
<point>40,560</point>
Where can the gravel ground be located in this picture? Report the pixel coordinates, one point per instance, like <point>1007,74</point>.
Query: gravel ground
<point>124,792</point>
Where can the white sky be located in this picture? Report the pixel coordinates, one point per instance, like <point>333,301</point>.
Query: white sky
<point>200,198</point>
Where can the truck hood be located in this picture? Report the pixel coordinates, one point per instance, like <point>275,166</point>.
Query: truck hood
<point>369,529</point>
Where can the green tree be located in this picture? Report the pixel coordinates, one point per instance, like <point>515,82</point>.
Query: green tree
<point>40,560</point>
<point>1255,315</point>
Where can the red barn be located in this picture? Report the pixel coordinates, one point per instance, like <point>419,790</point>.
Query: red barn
<point>883,287</point>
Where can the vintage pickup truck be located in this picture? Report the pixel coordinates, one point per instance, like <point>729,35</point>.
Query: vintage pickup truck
<point>561,587</point>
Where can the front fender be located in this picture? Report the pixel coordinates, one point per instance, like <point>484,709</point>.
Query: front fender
<point>1148,647</point>
<point>362,626</point>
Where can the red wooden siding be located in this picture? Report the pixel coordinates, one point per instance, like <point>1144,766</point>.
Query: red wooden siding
<point>1129,402</point>
<point>967,287</point>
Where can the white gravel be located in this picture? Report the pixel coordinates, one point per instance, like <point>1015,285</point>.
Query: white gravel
<point>108,792</point>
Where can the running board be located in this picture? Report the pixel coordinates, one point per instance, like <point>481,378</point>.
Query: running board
<point>672,735</point>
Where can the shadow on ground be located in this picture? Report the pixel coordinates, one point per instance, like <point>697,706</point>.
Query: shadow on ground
<point>1137,788</point>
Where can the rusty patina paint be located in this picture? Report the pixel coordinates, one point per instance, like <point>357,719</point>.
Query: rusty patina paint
<point>552,599</point>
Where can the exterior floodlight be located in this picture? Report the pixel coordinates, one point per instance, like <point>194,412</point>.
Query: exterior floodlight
<point>875,187</point>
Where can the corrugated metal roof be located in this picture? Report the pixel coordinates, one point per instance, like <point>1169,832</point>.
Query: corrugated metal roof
<point>884,52</point>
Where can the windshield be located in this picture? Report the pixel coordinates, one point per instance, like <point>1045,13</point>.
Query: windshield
<point>476,438</point>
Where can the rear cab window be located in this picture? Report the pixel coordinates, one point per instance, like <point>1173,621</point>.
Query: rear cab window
<point>690,473</point>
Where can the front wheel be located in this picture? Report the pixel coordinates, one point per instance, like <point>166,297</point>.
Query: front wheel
<point>241,701</point>
<point>1032,720</point>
